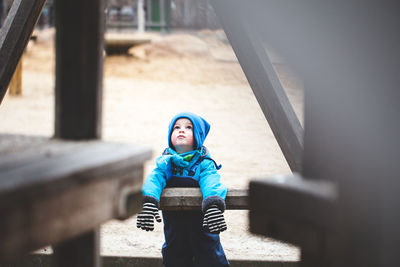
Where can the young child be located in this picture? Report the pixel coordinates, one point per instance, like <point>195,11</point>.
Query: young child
<point>191,237</point>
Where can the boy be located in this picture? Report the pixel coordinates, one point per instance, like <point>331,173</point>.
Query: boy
<point>191,237</point>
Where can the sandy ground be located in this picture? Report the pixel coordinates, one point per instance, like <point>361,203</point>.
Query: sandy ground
<point>196,72</point>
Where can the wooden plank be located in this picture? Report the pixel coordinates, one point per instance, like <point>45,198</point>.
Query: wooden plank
<point>191,199</point>
<point>11,143</point>
<point>21,150</point>
<point>14,37</point>
<point>79,68</point>
<point>90,161</point>
<point>57,197</point>
<point>82,251</point>
<point>291,208</point>
<point>264,82</point>
<point>31,222</point>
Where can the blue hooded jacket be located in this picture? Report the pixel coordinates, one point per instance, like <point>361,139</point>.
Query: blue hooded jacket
<point>196,166</point>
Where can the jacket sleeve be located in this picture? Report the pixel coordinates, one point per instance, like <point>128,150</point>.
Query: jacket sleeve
<point>214,192</point>
<point>156,180</point>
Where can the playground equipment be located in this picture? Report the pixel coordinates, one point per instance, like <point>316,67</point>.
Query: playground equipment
<point>59,191</point>
<point>341,204</point>
<point>127,21</point>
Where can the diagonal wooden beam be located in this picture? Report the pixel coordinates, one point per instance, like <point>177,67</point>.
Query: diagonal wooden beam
<point>14,36</point>
<point>264,82</point>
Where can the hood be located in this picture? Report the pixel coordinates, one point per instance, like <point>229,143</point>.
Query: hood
<point>200,128</point>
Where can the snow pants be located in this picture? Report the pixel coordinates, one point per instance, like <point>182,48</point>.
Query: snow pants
<point>187,244</point>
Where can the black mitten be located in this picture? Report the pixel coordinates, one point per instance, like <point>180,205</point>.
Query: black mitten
<point>214,220</point>
<point>145,219</point>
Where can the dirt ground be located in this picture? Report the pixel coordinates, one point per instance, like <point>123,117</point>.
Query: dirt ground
<point>196,72</point>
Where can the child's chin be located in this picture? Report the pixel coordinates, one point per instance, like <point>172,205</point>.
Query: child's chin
<point>183,143</point>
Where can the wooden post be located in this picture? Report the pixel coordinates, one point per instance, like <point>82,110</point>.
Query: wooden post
<point>79,74</point>
<point>82,251</point>
<point>79,68</point>
<point>16,81</point>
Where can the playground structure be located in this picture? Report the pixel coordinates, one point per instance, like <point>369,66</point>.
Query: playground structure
<point>42,178</point>
<point>123,17</point>
<point>341,206</point>
<point>151,15</point>
<point>121,43</point>
<point>314,208</point>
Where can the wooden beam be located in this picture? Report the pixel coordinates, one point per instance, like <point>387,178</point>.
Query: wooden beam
<point>64,190</point>
<point>14,37</point>
<point>79,68</point>
<point>292,209</point>
<point>191,199</point>
<point>265,83</point>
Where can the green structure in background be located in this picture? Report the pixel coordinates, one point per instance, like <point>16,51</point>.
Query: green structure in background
<point>123,14</point>
<point>159,15</point>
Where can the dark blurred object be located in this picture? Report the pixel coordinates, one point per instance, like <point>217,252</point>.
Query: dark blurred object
<point>343,208</point>
<point>1,13</point>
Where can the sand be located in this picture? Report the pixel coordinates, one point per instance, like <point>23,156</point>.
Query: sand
<point>185,71</point>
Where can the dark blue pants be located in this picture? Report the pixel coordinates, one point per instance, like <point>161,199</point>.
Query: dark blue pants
<point>187,244</point>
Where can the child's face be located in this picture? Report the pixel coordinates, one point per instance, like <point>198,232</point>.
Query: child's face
<point>182,135</point>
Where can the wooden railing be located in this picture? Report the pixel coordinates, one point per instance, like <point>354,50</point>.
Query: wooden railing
<point>191,199</point>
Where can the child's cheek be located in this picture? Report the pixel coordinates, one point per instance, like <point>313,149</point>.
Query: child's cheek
<point>191,139</point>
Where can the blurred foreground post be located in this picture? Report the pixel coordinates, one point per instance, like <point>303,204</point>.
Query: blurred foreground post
<point>79,68</point>
<point>79,74</point>
<point>343,208</point>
